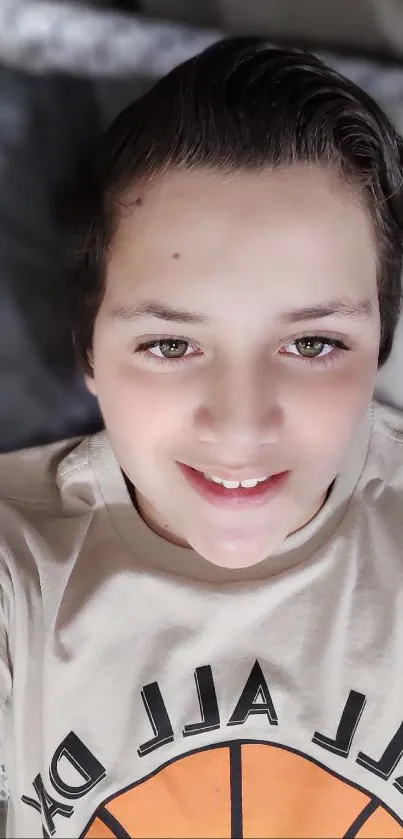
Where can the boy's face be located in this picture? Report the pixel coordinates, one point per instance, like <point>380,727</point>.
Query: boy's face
<point>250,384</point>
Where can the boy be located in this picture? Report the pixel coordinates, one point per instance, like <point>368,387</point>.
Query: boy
<point>202,607</point>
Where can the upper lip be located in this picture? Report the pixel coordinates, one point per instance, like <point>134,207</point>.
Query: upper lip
<point>244,475</point>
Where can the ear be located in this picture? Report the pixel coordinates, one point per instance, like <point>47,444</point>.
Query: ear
<point>90,380</point>
<point>90,383</point>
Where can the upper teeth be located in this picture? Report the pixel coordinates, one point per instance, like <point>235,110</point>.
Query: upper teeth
<point>247,484</point>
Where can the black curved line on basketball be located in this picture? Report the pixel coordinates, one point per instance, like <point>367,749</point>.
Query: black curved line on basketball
<point>112,823</point>
<point>361,819</point>
<point>235,763</point>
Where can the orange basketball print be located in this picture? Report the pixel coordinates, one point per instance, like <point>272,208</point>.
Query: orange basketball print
<point>243,789</point>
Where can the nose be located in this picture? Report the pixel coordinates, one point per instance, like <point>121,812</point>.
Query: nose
<point>239,412</point>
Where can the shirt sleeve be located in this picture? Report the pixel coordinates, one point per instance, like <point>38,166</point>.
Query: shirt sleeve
<point>5,692</point>
<point>5,672</point>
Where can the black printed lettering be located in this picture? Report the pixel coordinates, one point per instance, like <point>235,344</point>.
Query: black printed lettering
<point>47,805</point>
<point>347,727</point>
<point>254,690</point>
<point>159,719</point>
<point>398,783</point>
<point>207,701</point>
<point>74,750</point>
<point>389,760</point>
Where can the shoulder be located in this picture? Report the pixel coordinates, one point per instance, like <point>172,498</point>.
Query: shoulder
<point>50,482</point>
<point>381,482</point>
<point>387,436</point>
<point>32,476</point>
<point>48,496</point>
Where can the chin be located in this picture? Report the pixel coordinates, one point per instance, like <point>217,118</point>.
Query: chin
<point>237,550</point>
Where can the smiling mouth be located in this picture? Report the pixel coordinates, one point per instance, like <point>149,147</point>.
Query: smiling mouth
<point>249,490</point>
<point>248,483</point>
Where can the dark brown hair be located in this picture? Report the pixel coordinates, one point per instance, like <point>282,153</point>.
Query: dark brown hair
<point>240,104</point>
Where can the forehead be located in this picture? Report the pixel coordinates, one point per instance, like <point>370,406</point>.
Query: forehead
<point>295,230</point>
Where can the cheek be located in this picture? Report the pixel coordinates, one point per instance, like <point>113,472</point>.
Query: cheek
<point>138,406</point>
<point>326,414</point>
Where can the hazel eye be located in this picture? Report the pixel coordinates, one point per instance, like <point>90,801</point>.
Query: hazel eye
<point>318,351</point>
<point>167,351</point>
<point>312,347</point>
<point>168,348</point>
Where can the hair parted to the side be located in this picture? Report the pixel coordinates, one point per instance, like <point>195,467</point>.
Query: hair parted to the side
<point>240,104</point>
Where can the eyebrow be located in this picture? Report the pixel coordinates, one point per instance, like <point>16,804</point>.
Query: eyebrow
<point>340,308</point>
<point>157,310</point>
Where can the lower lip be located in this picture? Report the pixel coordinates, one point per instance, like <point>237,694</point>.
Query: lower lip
<point>218,494</point>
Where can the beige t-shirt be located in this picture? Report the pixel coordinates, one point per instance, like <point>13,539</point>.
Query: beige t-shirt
<point>147,693</point>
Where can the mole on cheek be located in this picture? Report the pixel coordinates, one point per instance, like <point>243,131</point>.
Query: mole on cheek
<point>176,256</point>
<point>139,201</point>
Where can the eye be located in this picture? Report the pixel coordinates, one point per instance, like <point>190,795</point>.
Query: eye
<point>311,347</point>
<point>166,349</point>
